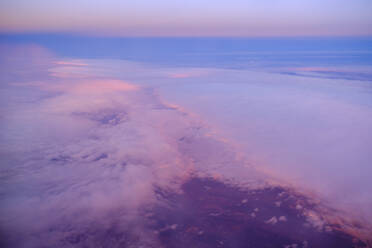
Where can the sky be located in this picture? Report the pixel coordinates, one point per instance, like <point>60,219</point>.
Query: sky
<point>189,18</point>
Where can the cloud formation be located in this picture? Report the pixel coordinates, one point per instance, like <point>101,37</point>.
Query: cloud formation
<point>87,155</point>
<point>84,153</point>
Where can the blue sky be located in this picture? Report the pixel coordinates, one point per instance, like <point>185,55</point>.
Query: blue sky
<point>189,18</point>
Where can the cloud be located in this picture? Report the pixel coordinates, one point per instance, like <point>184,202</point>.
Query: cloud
<point>87,87</point>
<point>83,154</point>
<point>71,63</point>
<point>88,156</point>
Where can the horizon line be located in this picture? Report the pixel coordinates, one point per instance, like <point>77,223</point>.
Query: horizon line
<point>88,35</point>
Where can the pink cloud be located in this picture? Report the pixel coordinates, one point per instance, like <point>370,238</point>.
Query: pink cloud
<point>69,63</point>
<point>180,75</point>
<point>187,74</point>
<point>101,86</point>
<point>97,86</point>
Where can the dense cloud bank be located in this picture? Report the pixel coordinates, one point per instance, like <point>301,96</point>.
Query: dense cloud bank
<point>85,156</point>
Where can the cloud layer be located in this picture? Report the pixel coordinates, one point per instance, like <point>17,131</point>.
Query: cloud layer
<point>83,150</point>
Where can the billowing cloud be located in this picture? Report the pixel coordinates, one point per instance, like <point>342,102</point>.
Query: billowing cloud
<point>85,154</point>
<point>92,152</point>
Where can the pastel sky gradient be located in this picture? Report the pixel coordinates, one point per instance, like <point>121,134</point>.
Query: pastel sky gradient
<point>189,18</point>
